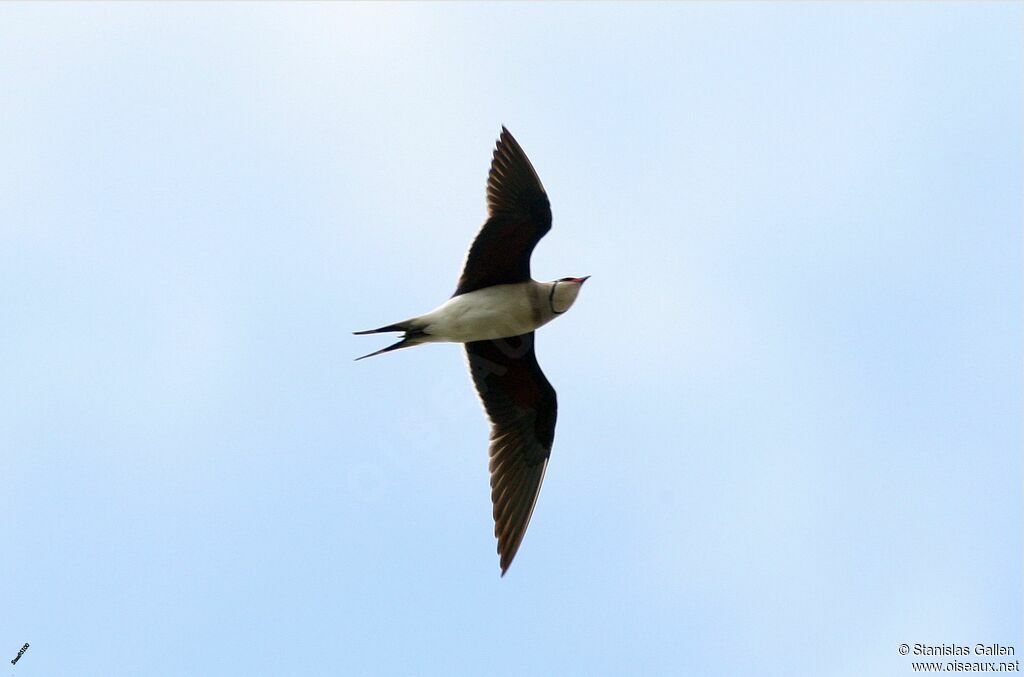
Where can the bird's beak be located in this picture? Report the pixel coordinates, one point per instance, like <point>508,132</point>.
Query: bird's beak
<point>581,280</point>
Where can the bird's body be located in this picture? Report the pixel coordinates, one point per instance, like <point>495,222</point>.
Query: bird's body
<point>495,310</point>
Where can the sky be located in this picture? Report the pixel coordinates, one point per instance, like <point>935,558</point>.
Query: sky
<point>790,396</point>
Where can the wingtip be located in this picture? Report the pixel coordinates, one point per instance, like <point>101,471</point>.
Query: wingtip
<point>505,560</point>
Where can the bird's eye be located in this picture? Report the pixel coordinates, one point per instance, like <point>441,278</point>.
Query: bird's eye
<point>566,279</point>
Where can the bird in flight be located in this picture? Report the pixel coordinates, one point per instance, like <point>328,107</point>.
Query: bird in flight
<point>495,310</point>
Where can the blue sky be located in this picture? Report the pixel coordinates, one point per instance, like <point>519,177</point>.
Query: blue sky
<point>789,434</point>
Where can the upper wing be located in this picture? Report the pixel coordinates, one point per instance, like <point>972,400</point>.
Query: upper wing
<point>522,407</point>
<point>519,215</point>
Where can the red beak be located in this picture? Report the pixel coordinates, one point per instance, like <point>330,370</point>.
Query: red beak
<point>581,280</point>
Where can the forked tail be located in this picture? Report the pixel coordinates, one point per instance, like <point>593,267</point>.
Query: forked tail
<point>398,326</point>
<point>413,337</point>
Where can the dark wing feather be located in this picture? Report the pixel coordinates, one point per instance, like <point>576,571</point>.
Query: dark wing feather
<point>519,215</point>
<point>522,407</point>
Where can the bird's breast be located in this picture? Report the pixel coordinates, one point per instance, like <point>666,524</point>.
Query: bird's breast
<point>490,313</point>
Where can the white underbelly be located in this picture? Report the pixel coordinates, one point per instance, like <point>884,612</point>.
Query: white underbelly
<point>495,312</point>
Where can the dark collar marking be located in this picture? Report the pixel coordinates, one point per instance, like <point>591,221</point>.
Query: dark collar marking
<point>551,299</point>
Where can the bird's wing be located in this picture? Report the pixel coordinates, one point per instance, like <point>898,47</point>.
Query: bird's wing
<point>522,407</point>
<point>519,215</point>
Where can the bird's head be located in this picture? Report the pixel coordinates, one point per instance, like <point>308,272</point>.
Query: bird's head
<point>564,292</point>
